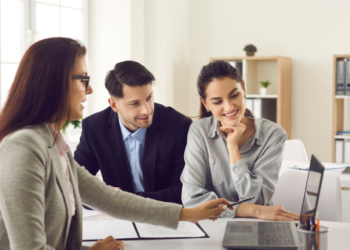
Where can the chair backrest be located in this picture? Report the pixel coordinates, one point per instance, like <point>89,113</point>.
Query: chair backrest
<point>294,150</point>
<point>290,193</point>
<point>290,190</point>
<point>330,203</point>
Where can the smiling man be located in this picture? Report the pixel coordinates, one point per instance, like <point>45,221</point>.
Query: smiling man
<point>137,144</point>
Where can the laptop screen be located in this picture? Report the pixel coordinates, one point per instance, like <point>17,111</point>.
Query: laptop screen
<point>312,190</point>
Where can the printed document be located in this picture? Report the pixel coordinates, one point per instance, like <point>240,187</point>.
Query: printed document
<point>90,213</point>
<point>100,229</point>
<point>184,230</point>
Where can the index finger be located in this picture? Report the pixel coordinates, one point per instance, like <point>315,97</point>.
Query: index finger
<point>221,201</point>
<point>226,127</point>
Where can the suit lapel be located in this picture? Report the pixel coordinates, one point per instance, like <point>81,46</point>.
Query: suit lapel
<point>119,154</point>
<point>78,212</point>
<point>149,155</point>
<point>56,162</point>
<point>57,168</point>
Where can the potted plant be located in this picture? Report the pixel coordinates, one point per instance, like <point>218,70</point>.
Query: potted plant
<point>250,49</point>
<point>76,124</point>
<point>264,85</point>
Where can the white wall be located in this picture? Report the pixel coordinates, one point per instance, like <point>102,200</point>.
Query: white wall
<point>109,43</point>
<point>167,50</point>
<point>175,38</point>
<point>310,32</point>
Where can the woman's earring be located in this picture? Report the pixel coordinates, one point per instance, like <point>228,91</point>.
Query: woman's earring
<point>208,110</point>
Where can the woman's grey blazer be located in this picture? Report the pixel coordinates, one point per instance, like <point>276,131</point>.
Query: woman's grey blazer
<point>35,208</point>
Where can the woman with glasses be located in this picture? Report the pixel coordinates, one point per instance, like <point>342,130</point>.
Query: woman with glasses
<point>42,188</point>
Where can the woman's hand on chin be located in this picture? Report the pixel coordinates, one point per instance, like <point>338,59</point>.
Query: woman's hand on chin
<point>233,133</point>
<point>208,210</point>
<point>277,213</point>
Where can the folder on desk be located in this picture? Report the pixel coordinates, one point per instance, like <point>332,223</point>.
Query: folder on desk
<point>125,230</point>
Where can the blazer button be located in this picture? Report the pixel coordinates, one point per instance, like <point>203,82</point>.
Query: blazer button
<point>236,170</point>
<point>211,161</point>
<point>228,214</point>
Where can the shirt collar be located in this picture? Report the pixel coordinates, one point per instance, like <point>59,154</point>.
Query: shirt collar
<point>61,144</point>
<point>139,134</point>
<point>215,128</point>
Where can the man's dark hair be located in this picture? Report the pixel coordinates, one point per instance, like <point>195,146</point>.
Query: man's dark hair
<point>130,73</point>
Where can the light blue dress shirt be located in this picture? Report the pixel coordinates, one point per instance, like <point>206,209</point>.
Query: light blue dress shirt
<point>134,144</point>
<point>208,173</point>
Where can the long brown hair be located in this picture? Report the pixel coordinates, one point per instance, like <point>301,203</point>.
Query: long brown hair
<point>216,69</point>
<point>40,90</point>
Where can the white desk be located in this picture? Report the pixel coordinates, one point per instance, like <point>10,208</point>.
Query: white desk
<point>338,237</point>
<point>345,183</point>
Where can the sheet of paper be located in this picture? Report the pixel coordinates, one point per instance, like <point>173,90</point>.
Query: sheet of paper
<point>185,229</point>
<point>90,213</point>
<point>100,229</point>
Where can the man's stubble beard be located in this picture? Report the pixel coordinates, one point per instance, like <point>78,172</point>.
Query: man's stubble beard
<point>134,123</point>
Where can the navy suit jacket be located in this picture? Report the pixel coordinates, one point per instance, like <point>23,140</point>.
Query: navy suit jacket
<point>102,148</point>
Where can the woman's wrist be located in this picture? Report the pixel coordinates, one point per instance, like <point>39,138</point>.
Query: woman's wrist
<point>256,211</point>
<point>248,210</point>
<point>185,214</point>
<point>234,153</point>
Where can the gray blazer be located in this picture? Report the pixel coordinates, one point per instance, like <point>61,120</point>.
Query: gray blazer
<point>34,201</point>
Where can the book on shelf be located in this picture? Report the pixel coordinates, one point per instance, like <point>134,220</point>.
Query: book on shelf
<point>262,108</point>
<point>237,65</point>
<point>342,150</point>
<point>254,105</point>
<point>344,133</point>
<point>347,77</point>
<point>257,104</point>
<point>346,151</point>
<point>340,78</point>
<point>339,151</point>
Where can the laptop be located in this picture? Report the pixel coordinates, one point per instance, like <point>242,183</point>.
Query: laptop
<point>277,234</point>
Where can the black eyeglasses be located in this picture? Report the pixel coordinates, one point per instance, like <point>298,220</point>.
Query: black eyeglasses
<point>84,79</point>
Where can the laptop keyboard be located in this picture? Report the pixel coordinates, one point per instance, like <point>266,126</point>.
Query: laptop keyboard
<point>275,234</point>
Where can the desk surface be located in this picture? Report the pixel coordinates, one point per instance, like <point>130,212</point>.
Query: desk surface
<point>338,237</point>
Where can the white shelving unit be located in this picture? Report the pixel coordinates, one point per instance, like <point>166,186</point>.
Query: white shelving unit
<point>342,137</point>
<point>342,96</point>
<point>276,104</point>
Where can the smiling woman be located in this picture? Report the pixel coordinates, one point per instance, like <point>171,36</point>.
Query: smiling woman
<point>230,153</point>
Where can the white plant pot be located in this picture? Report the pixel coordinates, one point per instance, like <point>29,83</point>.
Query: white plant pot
<point>262,91</point>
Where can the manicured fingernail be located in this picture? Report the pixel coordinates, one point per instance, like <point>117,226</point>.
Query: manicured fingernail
<point>224,207</point>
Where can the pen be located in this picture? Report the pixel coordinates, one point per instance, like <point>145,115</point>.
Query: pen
<point>313,224</point>
<point>318,229</point>
<point>241,201</point>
